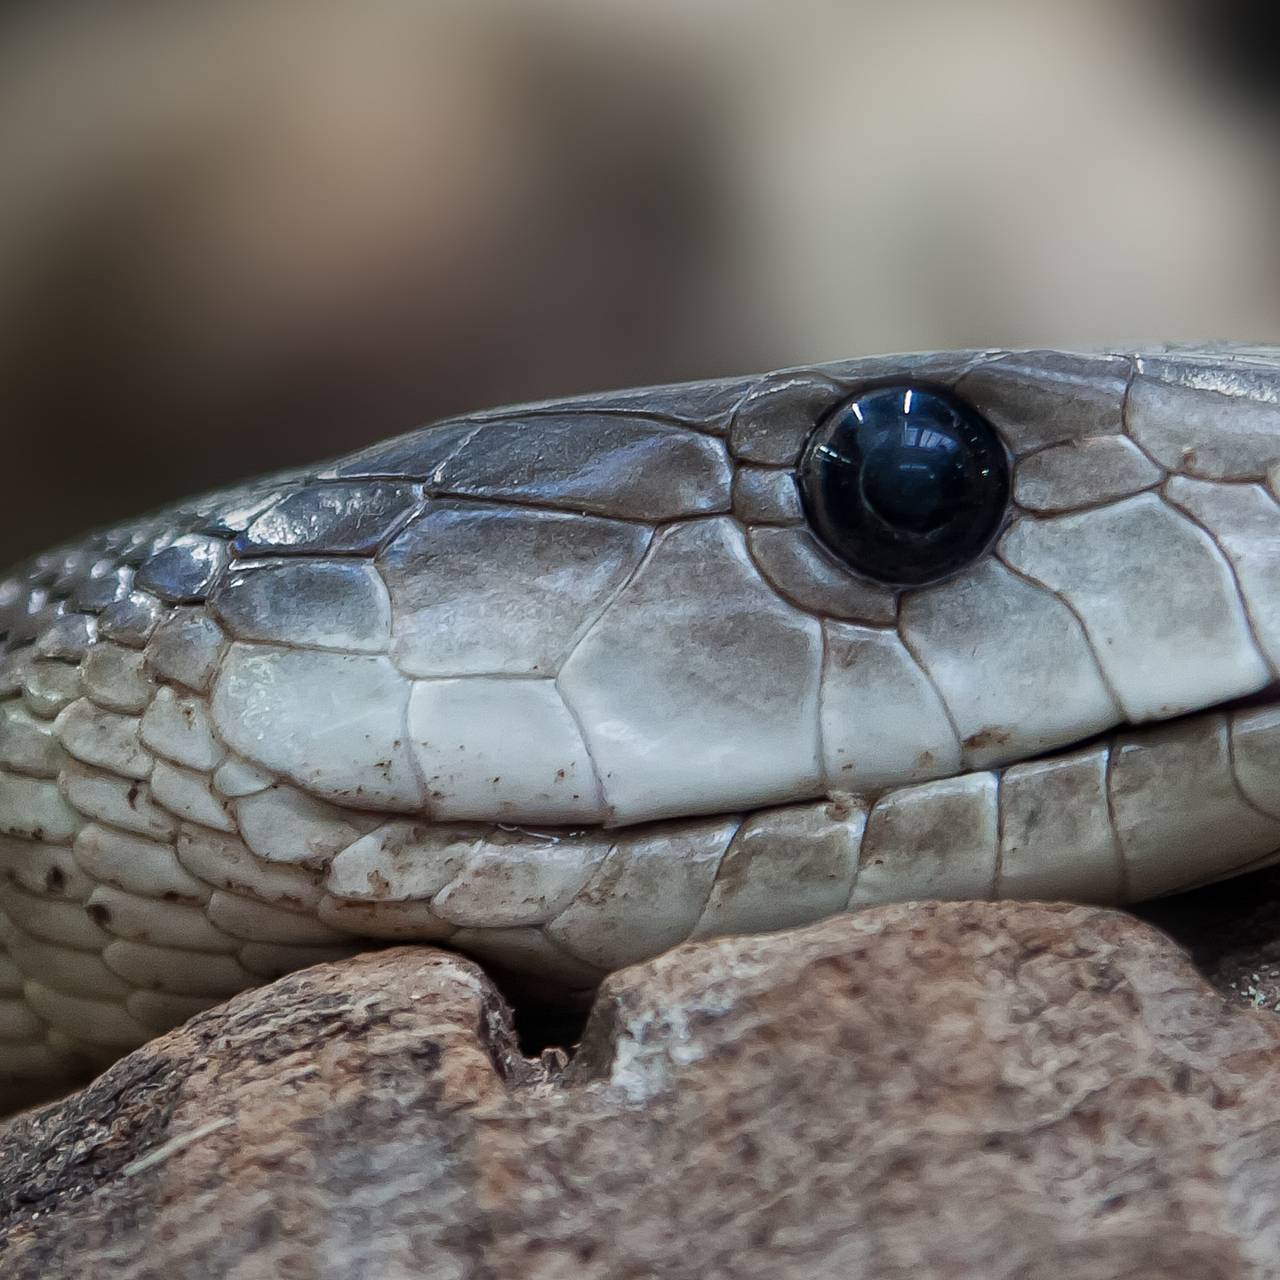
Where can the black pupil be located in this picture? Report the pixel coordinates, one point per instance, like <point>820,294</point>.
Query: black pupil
<point>905,484</point>
<point>914,483</point>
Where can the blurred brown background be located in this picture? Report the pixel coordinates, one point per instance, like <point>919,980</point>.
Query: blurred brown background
<point>235,235</point>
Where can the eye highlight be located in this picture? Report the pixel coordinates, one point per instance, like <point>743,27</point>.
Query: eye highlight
<point>905,484</point>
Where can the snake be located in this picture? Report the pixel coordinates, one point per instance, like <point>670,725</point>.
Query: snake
<point>563,685</point>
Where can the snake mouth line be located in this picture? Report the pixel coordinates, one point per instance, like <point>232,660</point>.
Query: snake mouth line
<point>1181,774</point>
<point>1267,696</point>
<point>1171,821</point>
<point>1187,782</point>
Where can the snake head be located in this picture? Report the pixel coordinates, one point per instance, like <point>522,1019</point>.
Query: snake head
<point>567,683</point>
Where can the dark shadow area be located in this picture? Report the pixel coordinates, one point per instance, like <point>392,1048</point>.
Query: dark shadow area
<point>1234,44</point>
<point>1232,931</point>
<point>544,1019</point>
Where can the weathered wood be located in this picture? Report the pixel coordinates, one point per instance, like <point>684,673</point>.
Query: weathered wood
<point>948,1090</point>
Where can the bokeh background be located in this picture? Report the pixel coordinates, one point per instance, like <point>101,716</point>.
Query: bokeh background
<point>239,235</point>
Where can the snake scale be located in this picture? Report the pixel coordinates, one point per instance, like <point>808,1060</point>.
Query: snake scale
<point>566,684</point>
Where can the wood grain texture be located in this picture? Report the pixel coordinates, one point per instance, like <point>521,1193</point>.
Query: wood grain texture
<point>929,1091</point>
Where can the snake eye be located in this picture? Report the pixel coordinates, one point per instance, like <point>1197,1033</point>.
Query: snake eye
<point>905,484</point>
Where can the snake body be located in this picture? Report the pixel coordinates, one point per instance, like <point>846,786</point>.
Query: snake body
<point>566,684</point>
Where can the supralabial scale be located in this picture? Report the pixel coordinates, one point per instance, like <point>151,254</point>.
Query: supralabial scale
<point>564,685</point>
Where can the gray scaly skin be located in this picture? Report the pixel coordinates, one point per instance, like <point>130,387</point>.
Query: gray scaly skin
<point>565,685</point>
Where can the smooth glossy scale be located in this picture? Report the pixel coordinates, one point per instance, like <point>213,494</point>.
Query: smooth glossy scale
<point>905,484</point>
